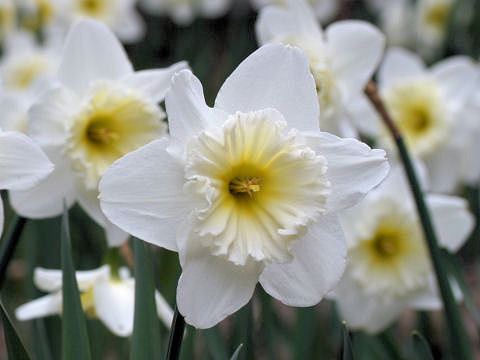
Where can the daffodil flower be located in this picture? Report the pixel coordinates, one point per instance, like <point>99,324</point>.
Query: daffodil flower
<point>389,268</point>
<point>23,164</point>
<point>183,12</point>
<point>8,16</point>
<point>110,299</point>
<point>342,59</point>
<point>99,110</point>
<point>429,107</point>
<point>245,191</point>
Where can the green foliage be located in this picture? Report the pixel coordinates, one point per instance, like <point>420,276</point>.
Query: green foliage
<point>420,344</point>
<point>146,329</point>
<point>15,348</point>
<point>347,350</point>
<point>75,344</point>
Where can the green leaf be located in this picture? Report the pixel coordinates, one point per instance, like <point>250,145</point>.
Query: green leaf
<point>15,348</point>
<point>9,245</point>
<point>216,344</point>
<point>75,344</point>
<point>146,329</point>
<point>347,351</point>
<point>455,270</point>
<point>237,352</point>
<point>421,347</point>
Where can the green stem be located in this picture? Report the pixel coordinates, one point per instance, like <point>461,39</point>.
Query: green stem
<point>8,246</point>
<point>176,336</point>
<point>460,346</point>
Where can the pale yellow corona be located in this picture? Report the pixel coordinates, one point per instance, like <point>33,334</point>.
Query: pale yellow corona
<point>112,122</point>
<point>389,256</point>
<point>436,14</point>
<point>264,187</point>
<point>419,111</point>
<point>22,73</point>
<point>98,9</point>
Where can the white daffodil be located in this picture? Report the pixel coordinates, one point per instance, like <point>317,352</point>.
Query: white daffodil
<point>342,59</point>
<point>421,26</point>
<point>324,10</point>
<point>183,12</point>
<point>389,268</point>
<point>108,298</point>
<point>38,15</point>
<point>248,190</point>
<point>428,106</point>
<point>99,111</point>
<point>22,164</point>
<point>119,15</point>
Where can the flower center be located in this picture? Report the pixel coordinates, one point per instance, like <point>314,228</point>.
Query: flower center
<point>261,187</point>
<point>99,132</point>
<point>249,185</point>
<point>112,122</point>
<point>88,302</point>
<point>390,257</point>
<point>419,111</point>
<point>22,73</point>
<point>94,8</point>
<point>436,15</point>
<point>37,16</point>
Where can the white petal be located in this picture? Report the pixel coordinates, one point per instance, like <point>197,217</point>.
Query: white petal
<point>276,22</point>
<point>142,193</point>
<point>44,306</point>
<point>214,8</point>
<point>444,168</point>
<point>154,83</point>
<point>130,27</point>
<point>49,116</point>
<point>317,266</point>
<point>364,116</point>
<point>275,76</point>
<point>458,77</point>
<point>46,199</point>
<point>365,311</point>
<point>115,304</point>
<point>426,298</point>
<point>164,311</point>
<point>210,289</point>
<point>115,236</point>
<point>452,220</point>
<point>353,168</point>
<point>399,65</point>
<point>49,280</point>
<point>91,52</point>
<point>188,114</point>
<point>356,49</point>
<point>23,164</point>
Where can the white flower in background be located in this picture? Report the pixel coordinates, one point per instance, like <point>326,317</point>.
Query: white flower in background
<point>22,164</point>
<point>428,106</point>
<point>38,15</point>
<point>342,59</point>
<point>389,268</point>
<point>119,15</point>
<point>325,10</point>
<point>108,298</point>
<point>8,18</point>
<point>421,26</point>
<point>183,12</point>
<point>245,191</point>
<point>99,110</point>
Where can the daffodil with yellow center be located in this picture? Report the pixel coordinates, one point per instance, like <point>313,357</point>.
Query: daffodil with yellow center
<point>419,111</point>
<point>342,58</point>
<point>95,8</point>
<point>20,76</point>
<point>103,296</point>
<point>8,18</point>
<point>389,267</point>
<point>36,15</point>
<point>111,122</point>
<point>428,105</point>
<point>248,190</point>
<point>100,110</point>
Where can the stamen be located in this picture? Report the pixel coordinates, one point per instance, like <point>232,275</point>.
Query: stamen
<point>99,133</point>
<point>249,184</point>
<point>386,245</point>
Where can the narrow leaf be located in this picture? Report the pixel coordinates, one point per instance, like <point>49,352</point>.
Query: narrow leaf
<point>9,244</point>
<point>146,329</point>
<point>75,344</point>
<point>237,352</point>
<point>15,348</point>
<point>421,347</point>
<point>454,269</point>
<point>216,344</point>
<point>347,351</point>
<point>176,336</point>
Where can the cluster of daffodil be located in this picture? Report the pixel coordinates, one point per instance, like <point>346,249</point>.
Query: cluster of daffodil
<point>271,185</point>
